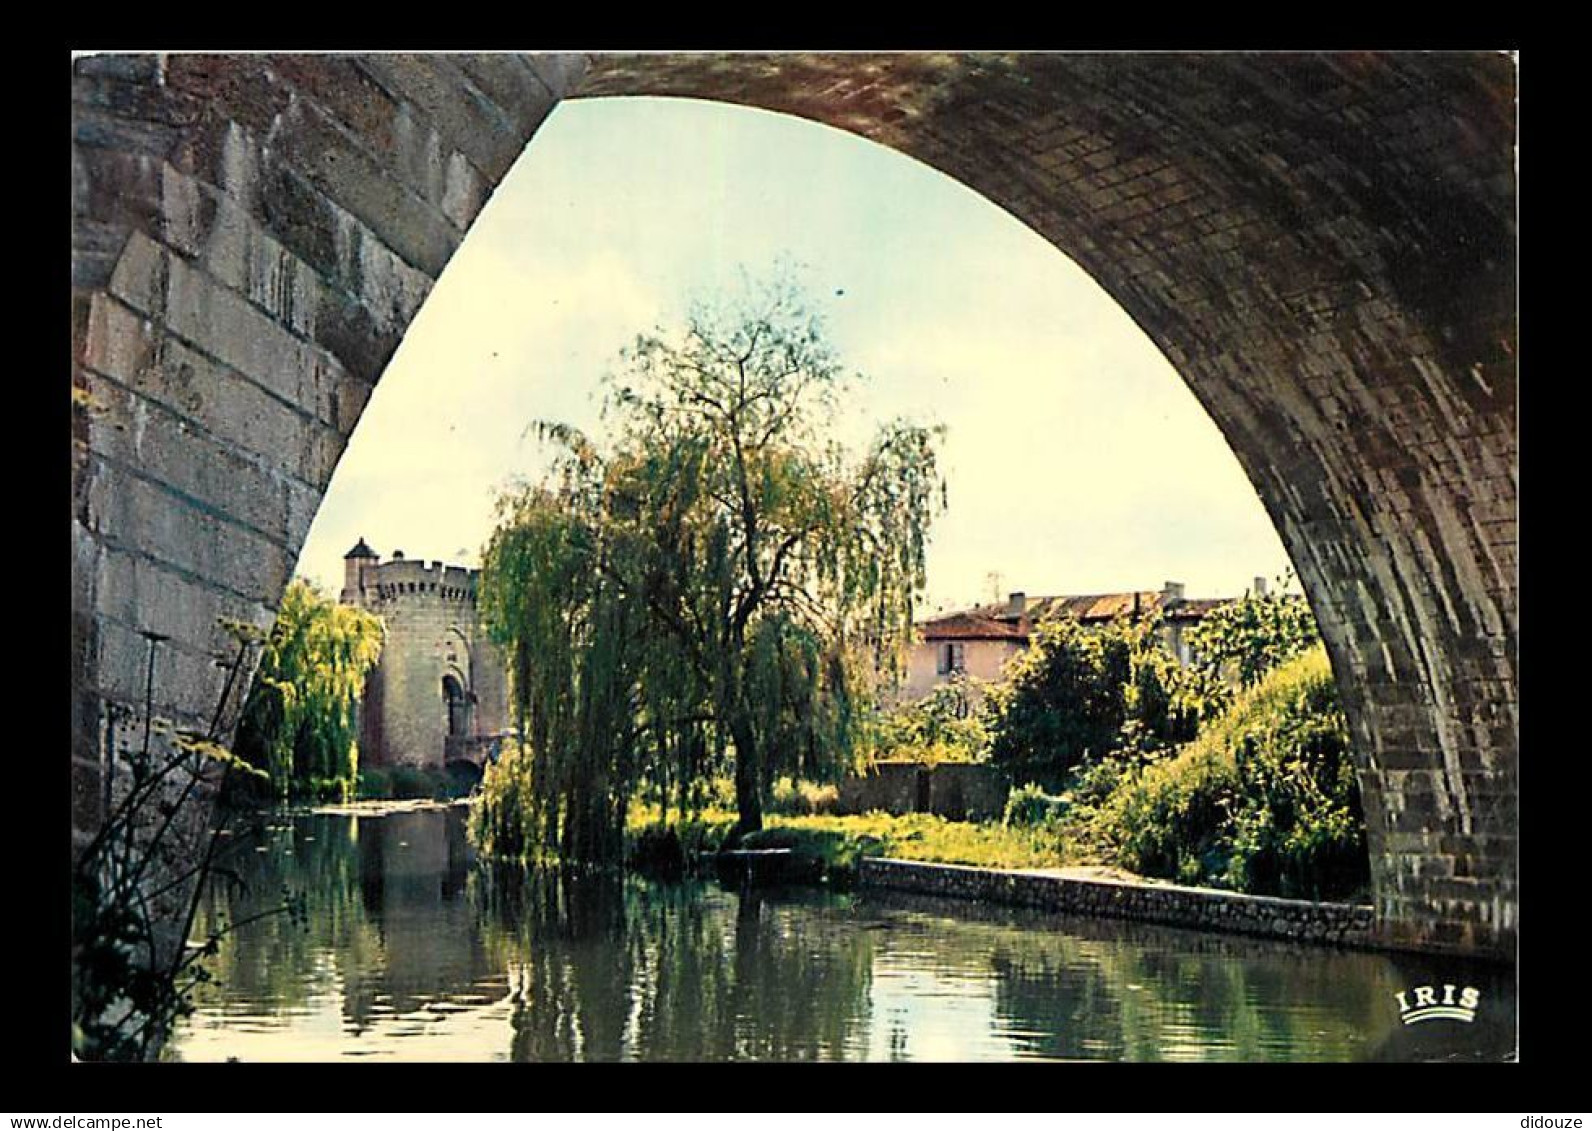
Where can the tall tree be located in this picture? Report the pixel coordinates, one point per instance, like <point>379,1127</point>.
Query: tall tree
<point>727,577</point>
<point>300,720</point>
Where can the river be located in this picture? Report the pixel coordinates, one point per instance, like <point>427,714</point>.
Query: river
<point>410,950</point>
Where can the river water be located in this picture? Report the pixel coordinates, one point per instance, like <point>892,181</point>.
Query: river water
<point>413,951</point>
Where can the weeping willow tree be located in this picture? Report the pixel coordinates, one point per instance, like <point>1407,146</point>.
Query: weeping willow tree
<point>299,722</point>
<point>725,581</point>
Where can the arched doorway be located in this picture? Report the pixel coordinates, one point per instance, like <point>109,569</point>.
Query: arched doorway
<point>456,702</point>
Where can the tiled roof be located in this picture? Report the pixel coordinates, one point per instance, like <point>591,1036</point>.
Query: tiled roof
<point>995,621</point>
<point>965,626</point>
<point>1087,608</point>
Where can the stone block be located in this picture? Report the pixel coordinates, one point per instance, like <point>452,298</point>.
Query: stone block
<point>140,517</point>
<point>187,680</point>
<point>144,439</point>
<point>127,66</point>
<point>142,594</point>
<point>512,84</point>
<point>224,325</point>
<point>211,399</point>
<point>481,130</point>
<point>87,797</point>
<point>397,212</point>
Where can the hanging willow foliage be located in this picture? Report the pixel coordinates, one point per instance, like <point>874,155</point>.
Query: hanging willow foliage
<point>725,581</point>
<point>299,722</point>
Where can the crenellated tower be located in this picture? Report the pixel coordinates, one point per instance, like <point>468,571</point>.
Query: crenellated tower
<point>439,694</point>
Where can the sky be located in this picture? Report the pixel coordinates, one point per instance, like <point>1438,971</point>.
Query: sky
<point>1076,460</point>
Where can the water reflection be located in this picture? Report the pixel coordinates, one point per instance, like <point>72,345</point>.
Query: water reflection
<point>414,951</point>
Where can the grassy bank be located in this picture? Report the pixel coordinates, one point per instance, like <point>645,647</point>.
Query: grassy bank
<point>1263,801</point>
<point>839,842</point>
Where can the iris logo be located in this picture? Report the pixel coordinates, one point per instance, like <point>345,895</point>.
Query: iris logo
<point>1428,1006</point>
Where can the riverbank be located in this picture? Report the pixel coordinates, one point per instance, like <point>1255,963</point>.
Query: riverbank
<point>1098,892</point>
<point>381,807</point>
<point>402,952</point>
<point>989,863</point>
<point>841,842</point>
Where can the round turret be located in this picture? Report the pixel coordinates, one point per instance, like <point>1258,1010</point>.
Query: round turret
<point>355,564</point>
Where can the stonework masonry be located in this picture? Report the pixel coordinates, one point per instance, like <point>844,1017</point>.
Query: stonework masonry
<point>439,693</point>
<point>1323,246</point>
<point>1343,924</point>
<point>956,791</point>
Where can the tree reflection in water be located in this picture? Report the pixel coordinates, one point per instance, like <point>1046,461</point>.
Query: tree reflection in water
<point>413,949</point>
<point>607,968</point>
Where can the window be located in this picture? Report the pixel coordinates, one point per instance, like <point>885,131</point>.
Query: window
<point>952,658</point>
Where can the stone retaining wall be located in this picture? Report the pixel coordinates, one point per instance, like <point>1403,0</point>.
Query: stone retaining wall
<point>957,791</point>
<point>1300,920</point>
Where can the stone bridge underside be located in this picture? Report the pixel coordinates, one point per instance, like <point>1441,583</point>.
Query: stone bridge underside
<point>1324,247</point>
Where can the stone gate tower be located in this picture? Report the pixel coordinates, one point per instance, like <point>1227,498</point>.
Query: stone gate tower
<point>439,694</point>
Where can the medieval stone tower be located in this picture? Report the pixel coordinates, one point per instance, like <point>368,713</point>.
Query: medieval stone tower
<point>438,697</point>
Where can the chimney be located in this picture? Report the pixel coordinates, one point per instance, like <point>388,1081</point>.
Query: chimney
<point>1017,605</point>
<point>1260,586</point>
<point>1172,591</point>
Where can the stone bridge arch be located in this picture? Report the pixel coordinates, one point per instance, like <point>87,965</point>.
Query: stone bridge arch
<point>1323,247</point>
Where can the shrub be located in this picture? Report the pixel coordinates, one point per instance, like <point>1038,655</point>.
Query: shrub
<point>456,780</point>
<point>409,782</point>
<point>1029,807</point>
<point>944,726</point>
<point>375,783</point>
<point>1245,639</point>
<point>1079,693</point>
<point>802,798</point>
<point>1265,800</point>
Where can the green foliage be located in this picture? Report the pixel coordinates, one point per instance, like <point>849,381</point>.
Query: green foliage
<point>1029,806</point>
<point>402,783</point>
<point>411,782</point>
<point>1079,693</point>
<point>795,796</point>
<point>1247,638</point>
<point>943,726</point>
<point>299,722</point>
<point>374,783</point>
<point>840,841</point>
<point>498,824</point>
<point>716,591</point>
<point>1265,800</point>
<point>128,882</point>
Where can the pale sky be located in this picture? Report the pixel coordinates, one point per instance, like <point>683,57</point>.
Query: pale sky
<point>1076,460</point>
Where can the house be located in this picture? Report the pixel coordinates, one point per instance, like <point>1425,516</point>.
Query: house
<point>980,642</point>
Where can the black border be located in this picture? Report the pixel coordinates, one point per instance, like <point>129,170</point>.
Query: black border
<point>44,1080</point>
